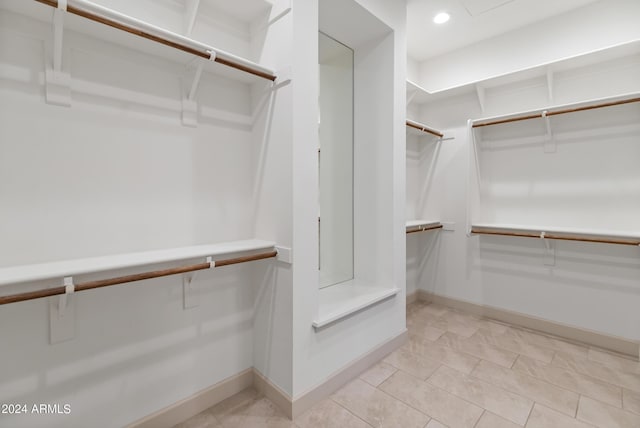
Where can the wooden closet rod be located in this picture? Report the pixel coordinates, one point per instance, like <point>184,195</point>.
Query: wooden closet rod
<point>48,292</point>
<point>556,112</point>
<point>558,236</point>
<point>439,226</point>
<point>423,128</point>
<point>141,33</point>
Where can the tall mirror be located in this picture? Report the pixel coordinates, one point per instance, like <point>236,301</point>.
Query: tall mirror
<point>335,158</point>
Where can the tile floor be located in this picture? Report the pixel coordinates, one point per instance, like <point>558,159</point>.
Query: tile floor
<point>461,371</point>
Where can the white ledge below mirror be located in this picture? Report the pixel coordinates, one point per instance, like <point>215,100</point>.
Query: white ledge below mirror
<point>342,300</point>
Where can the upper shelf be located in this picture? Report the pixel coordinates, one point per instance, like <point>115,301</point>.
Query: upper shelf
<point>421,95</point>
<point>565,234</point>
<point>37,272</point>
<point>557,110</point>
<point>134,33</point>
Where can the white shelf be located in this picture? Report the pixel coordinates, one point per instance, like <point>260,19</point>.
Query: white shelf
<point>418,224</point>
<point>569,231</point>
<point>341,300</point>
<point>41,12</point>
<point>621,97</point>
<point>36,272</point>
<point>424,95</point>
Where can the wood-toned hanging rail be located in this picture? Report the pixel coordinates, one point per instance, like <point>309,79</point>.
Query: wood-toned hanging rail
<point>555,112</point>
<point>141,33</point>
<point>421,127</point>
<point>563,236</point>
<point>424,229</point>
<point>55,291</point>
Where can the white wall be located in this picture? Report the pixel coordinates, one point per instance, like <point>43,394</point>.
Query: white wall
<point>589,182</point>
<point>317,355</point>
<point>595,26</point>
<point>119,173</point>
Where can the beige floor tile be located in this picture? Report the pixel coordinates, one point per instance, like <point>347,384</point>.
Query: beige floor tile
<point>544,417</point>
<point>235,402</point>
<point>527,386</point>
<point>329,414</point>
<point>378,373</point>
<point>201,420</point>
<point>415,306</point>
<point>442,354</point>
<point>258,413</point>
<point>461,328</point>
<point>377,408</point>
<point>503,403</point>
<point>631,401</point>
<point>435,424</point>
<point>477,349</point>
<point>573,381</point>
<point>493,326</point>
<point>582,365</point>
<point>432,310</point>
<point>411,363</point>
<point>435,402</point>
<point>614,361</point>
<point>552,343</point>
<point>606,416</point>
<point>489,420</point>
<point>514,344</point>
<point>419,328</point>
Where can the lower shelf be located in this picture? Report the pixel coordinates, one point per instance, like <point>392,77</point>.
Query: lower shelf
<point>564,234</point>
<point>341,300</point>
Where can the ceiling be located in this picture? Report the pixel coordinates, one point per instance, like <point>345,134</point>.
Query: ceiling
<point>473,21</point>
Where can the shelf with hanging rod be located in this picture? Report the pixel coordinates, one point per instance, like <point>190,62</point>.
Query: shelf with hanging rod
<point>145,30</point>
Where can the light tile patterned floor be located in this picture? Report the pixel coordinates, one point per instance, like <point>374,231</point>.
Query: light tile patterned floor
<point>461,371</point>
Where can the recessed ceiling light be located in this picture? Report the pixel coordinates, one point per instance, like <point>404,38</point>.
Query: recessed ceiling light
<point>441,18</point>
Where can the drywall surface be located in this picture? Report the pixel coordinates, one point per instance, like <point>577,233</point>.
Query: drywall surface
<point>319,354</point>
<point>118,172</point>
<point>595,26</point>
<point>580,176</point>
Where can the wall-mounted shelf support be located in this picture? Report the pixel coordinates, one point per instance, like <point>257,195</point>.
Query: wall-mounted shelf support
<point>189,104</point>
<point>550,145</point>
<point>190,14</point>
<point>550,251</point>
<point>57,83</point>
<point>62,314</point>
<point>550,84</point>
<point>480,92</point>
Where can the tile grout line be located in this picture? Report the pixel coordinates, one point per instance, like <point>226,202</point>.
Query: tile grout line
<point>481,415</point>
<point>350,412</point>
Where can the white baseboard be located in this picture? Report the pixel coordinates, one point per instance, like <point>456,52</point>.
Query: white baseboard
<point>572,333</point>
<point>346,374</point>
<point>413,297</point>
<point>198,402</point>
<point>280,398</point>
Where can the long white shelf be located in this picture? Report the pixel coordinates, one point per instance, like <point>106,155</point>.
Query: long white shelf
<point>423,95</point>
<point>421,225</point>
<point>550,110</point>
<point>39,10</point>
<point>561,233</point>
<point>342,300</point>
<point>36,272</point>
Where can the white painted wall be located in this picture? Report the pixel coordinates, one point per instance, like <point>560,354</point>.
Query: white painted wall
<point>595,26</point>
<point>590,182</point>
<point>317,355</point>
<point>119,173</point>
